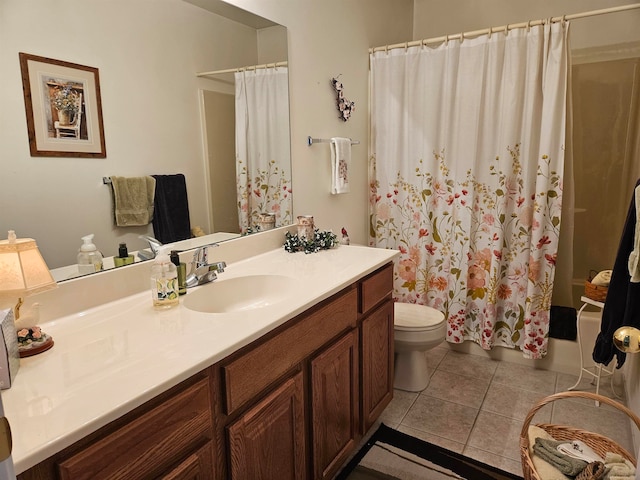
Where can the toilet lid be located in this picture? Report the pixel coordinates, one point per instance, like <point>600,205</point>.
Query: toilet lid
<point>410,316</point>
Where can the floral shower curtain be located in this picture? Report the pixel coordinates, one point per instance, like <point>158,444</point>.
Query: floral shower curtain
<point>263,165</point>
<point>466,179</point>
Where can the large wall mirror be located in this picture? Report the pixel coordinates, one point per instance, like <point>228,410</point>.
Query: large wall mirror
<point>160,117</point>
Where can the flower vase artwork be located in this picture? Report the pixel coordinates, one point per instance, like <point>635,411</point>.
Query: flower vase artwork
<point>65,101</point>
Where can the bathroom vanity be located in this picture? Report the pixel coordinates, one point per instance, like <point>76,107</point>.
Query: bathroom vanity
<point>282,388</point>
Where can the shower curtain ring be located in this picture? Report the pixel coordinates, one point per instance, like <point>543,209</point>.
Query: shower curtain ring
<point>446,40</point>
<point>461,38</point>
<point>506,30</point>
<point>490,32</point>
<point>528,26</point>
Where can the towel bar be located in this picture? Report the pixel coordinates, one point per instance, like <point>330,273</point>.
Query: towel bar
<point>311,141</point>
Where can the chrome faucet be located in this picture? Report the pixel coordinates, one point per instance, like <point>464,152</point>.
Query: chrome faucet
<point>154,244</point>
<point>201,270</point>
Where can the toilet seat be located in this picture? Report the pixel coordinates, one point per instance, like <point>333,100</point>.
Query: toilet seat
<point>410,317</point>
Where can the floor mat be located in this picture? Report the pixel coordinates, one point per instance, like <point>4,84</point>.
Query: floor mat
<point>393,455</point>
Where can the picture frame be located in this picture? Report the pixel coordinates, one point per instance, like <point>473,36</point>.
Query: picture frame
<point>63,107</point>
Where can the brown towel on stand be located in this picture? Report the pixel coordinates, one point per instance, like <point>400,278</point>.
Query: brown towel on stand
<point>133,199</point>
<point>171,221</point>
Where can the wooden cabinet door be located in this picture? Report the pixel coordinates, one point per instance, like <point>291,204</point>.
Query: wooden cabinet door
<point>377,363</point>
<point>150,444</point>
<point>268,441</point>
<point>334,405</point>
<point>197,466</point>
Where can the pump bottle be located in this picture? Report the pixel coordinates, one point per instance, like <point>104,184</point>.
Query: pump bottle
<point>89,258</point>
<point>164,282</point>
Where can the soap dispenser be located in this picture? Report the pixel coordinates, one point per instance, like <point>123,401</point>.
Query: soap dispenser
<point>89,258</point>
<point>164,282</point>
<point>123,257</point>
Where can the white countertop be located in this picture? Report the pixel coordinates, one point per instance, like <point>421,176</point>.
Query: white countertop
<point>108,360</point>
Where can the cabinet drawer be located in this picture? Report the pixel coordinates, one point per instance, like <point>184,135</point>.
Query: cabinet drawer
<point>376,287</point>
<point>149,444</point>
<point>247,376</point>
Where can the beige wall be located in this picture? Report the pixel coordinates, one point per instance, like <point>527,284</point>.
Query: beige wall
<point>329,38</point>
<point>151,54</point>
<point>434,18</point>
<point>147,53</point>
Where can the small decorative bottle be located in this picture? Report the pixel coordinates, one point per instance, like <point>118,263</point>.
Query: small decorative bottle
<point>164,282</point>
<point>267,221</point>
<point>345,237</point>
<point>306,227</point>
<point>123,257</point>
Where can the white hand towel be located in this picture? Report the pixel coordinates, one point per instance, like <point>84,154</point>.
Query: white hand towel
<point>340,164</point>
<point>634,257</point>
<point>579,449</point>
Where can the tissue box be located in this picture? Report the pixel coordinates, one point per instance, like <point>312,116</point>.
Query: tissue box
<point>9,355</point>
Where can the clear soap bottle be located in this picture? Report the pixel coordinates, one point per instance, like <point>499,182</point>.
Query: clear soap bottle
<point>89,257</point>
<point>164,282</point>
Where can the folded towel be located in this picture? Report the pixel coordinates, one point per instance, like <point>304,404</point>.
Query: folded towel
<point>634,256</point>
<point>340,164</point>
<point>618,468</point>
<point>544,469</point>
<point>579,449</point>
<point>133,199</point>
<point>171,221</point>
<point>548,451</point>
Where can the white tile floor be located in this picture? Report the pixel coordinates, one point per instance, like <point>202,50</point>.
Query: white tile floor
<point>476,406</point>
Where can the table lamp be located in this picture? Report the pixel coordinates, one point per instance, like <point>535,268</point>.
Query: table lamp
<point>24,272</point>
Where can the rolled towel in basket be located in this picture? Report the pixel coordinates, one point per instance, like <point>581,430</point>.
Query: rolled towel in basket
<point>548,451</point>
<point>602,279</point>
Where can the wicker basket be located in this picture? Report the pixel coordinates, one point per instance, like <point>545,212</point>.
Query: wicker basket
<point>599,443</point>
<point>595,292</point>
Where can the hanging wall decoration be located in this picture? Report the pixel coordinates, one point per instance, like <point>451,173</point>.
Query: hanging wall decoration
<point>345,106</point>
<point>64,110</point>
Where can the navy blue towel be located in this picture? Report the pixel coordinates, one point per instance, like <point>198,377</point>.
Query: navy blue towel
<point>622,305</point>
<point>171,221</point>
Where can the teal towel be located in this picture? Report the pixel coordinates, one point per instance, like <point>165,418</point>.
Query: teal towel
<point>548,451</point>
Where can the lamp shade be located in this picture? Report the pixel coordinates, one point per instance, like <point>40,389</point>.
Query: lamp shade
<point>23,271</point>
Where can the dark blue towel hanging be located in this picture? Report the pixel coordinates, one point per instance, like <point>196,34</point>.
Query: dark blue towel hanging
<point>171,221</point>
<point>622,305</point>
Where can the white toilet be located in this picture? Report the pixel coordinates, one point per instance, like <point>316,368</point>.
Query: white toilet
<point>418,328</point>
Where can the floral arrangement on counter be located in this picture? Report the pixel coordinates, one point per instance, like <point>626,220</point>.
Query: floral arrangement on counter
<point>31,337</point>
<point>322,240</point>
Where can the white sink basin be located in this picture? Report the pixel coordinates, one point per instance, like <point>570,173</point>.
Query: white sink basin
<point>239,294</point>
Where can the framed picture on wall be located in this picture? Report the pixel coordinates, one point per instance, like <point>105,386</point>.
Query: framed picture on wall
<point>64,110</point>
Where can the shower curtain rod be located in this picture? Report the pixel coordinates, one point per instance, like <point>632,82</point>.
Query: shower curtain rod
<point>242,69</point>
<point>506,28</point>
